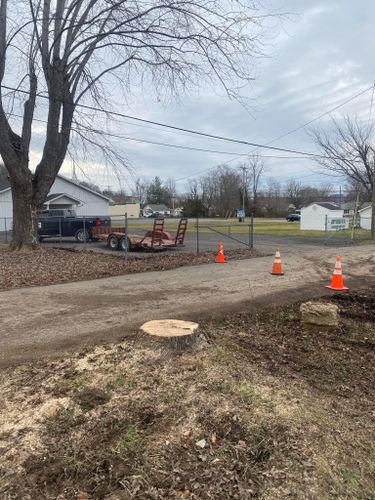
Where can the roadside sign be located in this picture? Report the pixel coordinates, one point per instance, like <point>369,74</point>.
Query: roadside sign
<point>337,224</point>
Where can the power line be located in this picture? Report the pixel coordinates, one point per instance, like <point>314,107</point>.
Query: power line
<point>170,145</point>
<point>173,127</point>
<point>355,96</point>
<point>213,136</point>
<point>291,131</point>
<point>372,100</point>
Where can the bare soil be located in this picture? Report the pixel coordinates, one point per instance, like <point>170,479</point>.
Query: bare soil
<point>266,409</point>
<point>64,265</point>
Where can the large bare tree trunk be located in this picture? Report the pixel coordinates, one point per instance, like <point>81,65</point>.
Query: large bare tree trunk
<point>25,217</point>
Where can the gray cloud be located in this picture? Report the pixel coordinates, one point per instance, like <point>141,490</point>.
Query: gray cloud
<point>319,57</point>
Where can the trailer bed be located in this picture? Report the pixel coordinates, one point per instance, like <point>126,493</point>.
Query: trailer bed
<point>155,239</point>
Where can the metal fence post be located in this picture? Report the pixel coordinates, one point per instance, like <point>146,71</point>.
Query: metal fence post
<point>352,232</point>
<point>84,232</point>
<point>251,232</point>
<point>126,238</point>
<point>326,230</point>
<point>60,230</point>
<point>197,226</point>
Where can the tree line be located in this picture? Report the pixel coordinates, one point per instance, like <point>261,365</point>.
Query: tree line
<point>221,191</point>
<point>346,151</point>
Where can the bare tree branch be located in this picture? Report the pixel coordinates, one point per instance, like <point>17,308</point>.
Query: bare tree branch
<point>347,150</point>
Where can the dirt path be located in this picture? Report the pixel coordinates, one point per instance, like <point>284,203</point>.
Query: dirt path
<point>37,322</point>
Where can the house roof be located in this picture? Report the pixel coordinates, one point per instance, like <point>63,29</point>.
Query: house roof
<point>326,204</point>
<point>5,186</point>
<point>75,183</point>
<point>56,196</point>
<point>158,208</point>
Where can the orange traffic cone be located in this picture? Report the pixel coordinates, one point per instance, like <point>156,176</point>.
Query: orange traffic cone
<point>220,259</point>
<point>337,282</point>
<point>276,268</point>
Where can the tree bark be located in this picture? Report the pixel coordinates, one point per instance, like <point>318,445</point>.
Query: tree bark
<point>25,216</point>
<point>373,203</point>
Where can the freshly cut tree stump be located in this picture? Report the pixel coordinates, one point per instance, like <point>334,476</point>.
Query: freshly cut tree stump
<point>174,334</point>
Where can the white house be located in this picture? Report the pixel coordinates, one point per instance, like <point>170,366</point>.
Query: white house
<point>64,193</point>
<point>322,215</point>
<point>152,210</point>
<point>365,215</point>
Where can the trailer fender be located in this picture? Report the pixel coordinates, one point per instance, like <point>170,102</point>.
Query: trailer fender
<point>164,235</point>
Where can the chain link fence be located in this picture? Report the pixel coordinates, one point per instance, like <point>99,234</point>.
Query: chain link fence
<point>202,233</point>
<point>349,229</point>
<point>6,226</point>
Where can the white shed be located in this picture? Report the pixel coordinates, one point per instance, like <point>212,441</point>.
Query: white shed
<point>64,193</point>
<point>365,215</point>
<point>318,214</point>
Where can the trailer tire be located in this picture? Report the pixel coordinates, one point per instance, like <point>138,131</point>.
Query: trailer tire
<point>82,235</point>
<point>112,242</point>
<point>124,244</point>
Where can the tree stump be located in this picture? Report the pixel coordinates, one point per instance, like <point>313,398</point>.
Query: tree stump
<point>173,334</point>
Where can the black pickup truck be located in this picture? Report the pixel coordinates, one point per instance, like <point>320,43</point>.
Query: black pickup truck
<point>64,222</point>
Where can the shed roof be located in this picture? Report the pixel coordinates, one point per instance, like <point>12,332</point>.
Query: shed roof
<point>158,208</point>
<point>367,207</point>
<point>326,204</point>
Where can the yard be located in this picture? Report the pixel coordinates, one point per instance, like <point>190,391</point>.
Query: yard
<point>48,266</point>
<point>262,227</point>
<point>266,409</point>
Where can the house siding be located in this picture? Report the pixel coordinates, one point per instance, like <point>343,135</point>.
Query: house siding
<point>91,204</point>
<point>6,210</point>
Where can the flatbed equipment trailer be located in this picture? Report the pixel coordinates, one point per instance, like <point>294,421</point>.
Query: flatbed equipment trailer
<point>155,239</point>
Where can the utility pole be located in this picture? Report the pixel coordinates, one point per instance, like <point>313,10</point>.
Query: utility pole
<point>373,202</point>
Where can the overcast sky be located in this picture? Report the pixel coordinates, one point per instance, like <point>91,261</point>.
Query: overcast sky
<point>319,58</point>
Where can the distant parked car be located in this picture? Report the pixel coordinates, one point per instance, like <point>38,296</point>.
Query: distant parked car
<point>155,215</point>
<point>293,218</point>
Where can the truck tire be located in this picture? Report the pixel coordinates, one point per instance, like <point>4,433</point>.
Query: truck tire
<point>112,242</point>
<point>124,244</point>
<point>82,235</point>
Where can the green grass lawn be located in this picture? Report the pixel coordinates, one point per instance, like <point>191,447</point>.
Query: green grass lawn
<point>271,227</point>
